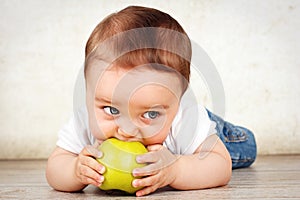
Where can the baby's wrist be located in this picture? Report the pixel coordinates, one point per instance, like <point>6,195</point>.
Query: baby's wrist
<point>175,170</point>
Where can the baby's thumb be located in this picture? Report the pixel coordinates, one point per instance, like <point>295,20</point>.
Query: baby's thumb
<point>155,147</point>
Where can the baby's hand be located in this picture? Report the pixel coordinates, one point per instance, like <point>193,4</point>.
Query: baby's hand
<point>159,173</point>
<point>88,169</point>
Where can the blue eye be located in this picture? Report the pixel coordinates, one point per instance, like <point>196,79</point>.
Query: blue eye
<point>151,114</point>
<point>111,110</point>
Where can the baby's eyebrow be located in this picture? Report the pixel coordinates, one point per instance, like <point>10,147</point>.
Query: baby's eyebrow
<point>155,107</point>
<point>102,99</point>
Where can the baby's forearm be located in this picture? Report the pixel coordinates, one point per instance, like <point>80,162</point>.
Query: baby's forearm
<point>60,172</point>
<point>194,172</point>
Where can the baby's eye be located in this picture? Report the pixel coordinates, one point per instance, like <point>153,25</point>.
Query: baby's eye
<point>111,110</point>
<point>151,114</point>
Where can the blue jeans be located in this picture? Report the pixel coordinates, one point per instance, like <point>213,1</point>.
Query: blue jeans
<point>239,141</point>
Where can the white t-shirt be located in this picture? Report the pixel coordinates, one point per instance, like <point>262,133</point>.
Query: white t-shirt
<point>190,127</point>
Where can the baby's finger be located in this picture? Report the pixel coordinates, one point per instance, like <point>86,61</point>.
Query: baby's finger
<point>89,181</point>
<point>150,157</point>
<point>89,176</point>
<point>155,147</point>
<point>92,151</point>
<point>97,143</point>
<point>147,181</point>
<point>94,164</point>
<point>148,170</point>
<point>146,190</point>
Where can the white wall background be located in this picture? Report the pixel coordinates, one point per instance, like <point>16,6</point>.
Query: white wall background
<point>254,44</point>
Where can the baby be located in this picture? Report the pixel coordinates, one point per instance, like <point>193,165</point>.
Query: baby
<point>137,71</point>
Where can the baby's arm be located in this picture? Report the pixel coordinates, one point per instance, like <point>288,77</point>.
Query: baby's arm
<point>71,172</point>
<point>209,166</point>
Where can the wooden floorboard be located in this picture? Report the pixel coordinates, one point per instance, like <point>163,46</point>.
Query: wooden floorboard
<point>271,177</point>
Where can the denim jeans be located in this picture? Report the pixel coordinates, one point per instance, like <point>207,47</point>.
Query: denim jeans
<point>239,141</point>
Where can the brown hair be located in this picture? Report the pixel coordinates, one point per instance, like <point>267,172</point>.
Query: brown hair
<point>151,36</point>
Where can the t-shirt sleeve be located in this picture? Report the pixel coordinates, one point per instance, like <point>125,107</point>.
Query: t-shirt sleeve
<point>190,128</point>
<point>74,135</point>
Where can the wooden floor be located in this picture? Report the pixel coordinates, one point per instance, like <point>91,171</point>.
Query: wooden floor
<point>271,177</point>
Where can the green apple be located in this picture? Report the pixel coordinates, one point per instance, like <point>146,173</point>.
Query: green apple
<point>119,159</point>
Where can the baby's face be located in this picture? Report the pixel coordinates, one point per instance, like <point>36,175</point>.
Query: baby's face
<point>133,105</point>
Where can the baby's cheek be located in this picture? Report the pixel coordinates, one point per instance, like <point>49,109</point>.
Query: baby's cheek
<point>102,131</point>
<point>158,138</point>
<point>156,134</point>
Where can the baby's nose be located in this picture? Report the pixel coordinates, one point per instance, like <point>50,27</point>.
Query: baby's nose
<point>127,128</point>
<point>127,134</point>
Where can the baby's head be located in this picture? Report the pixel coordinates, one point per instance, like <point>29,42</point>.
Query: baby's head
<point>137,68</point>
